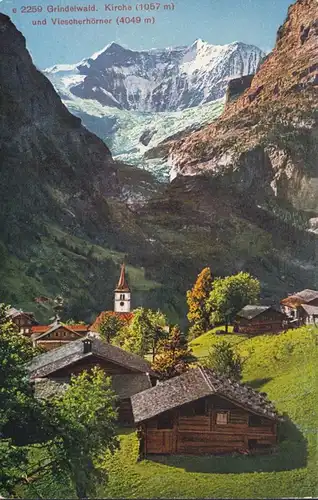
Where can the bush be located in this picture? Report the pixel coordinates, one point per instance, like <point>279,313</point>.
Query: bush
<point>225,361</point>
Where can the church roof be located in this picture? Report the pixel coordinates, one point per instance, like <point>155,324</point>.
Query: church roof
<point>125,316</point>
<point>122,285</point>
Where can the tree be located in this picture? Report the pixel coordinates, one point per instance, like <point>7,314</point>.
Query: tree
<point>223,359</point>
<point>144,332</point>
<point>73,322</point>
<point>230,295</point>
<point>17,404</point>
<point>173,355</point>
<point>69,433</point>
<point>197,297</point>
<point>108,324</point>
<point>86,418</point>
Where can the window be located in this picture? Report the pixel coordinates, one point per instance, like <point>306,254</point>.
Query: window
<point>165,421</point>
<point>255,421</point>
<point>27,330</point>
<point>122,296</point>
<point>195,408</point>
<point>199,407</point>
<point>222,418</point>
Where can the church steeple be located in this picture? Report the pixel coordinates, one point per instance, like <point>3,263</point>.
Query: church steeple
<point>122,293</point>
<point>122,285</point>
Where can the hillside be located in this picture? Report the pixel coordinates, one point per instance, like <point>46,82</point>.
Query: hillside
<point>57,233</point>
<point>285,367</point>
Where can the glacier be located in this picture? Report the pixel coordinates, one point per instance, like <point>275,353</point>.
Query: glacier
<point>124,95</point>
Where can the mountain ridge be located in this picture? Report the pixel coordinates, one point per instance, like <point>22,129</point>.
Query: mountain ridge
<point>167,79</point>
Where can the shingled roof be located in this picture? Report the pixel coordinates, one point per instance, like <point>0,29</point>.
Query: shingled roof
<point>126,385</point>
<point>251,311</point>
<point>56,359</point>
<point>122,285</point>
<point>193,385</point>
<point>12,313</point>
<point>303,297</point>
<point>38,334</point>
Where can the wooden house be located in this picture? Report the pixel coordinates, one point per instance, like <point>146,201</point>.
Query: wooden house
<point>130,373</point>
<point>308,314</point>
<point>292,305</point>
<point>22,320</point>
<point>52,336</point>
<point>255,320</point>
<point>200,412</point>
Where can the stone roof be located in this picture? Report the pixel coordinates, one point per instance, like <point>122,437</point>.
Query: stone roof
<point>251,311</point>
<point>56,359</point>
<point>193,385</point>
<point>123,385</point>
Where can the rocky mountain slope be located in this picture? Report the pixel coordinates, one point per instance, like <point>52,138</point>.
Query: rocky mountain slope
<point>57,182</point>
<point>169,79</point>
<point>266,142</point>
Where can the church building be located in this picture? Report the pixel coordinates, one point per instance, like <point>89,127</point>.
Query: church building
<point>122,294</point>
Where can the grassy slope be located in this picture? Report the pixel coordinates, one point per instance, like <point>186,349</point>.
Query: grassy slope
<point>73,267</point>
<point>285,367</point>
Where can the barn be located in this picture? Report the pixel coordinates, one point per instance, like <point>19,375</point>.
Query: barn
<point>254,320</point>
<point>201,412</point>
<point>51,372</point>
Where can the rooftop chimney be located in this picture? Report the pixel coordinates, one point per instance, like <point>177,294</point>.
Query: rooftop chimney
<point>87,345</point>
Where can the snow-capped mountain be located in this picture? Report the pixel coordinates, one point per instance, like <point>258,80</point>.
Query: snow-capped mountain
<point>170,79</point>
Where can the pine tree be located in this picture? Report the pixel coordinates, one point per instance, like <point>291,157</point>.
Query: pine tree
<point>173,355</point>
<point>223,359</point>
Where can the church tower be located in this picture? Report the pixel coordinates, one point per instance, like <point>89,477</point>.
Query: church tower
<point>122,293</point>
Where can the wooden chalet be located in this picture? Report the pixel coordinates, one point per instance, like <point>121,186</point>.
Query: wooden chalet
<point>292,306</point>
<point>130,373</point>
<point>308,314</point>
<point>53,336</point>
<point>22,320</point>
<point>200,412</point>
<point>255,320</point>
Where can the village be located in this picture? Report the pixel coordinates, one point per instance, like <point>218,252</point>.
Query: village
<point>177,405</point>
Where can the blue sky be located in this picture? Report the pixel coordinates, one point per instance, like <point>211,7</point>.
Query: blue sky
<point>215,21</point>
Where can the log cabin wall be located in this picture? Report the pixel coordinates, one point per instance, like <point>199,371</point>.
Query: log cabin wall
<point>264,323</point>
<point>221,427</point>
